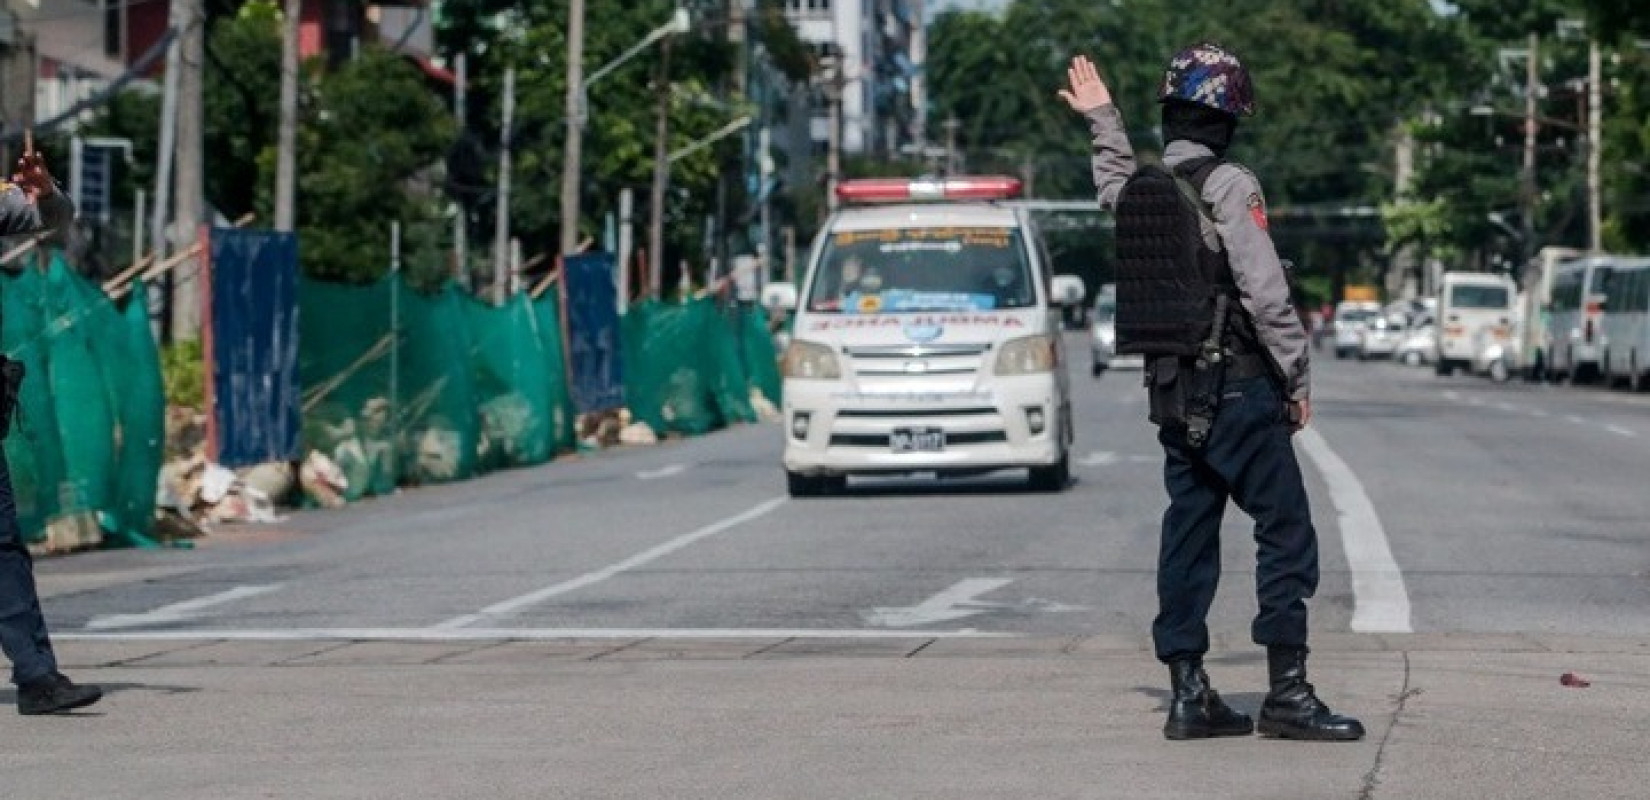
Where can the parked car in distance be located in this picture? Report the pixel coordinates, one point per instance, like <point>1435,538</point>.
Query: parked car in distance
<point>1103,335</point>
<point>1419,346</point>
<point>1381,336</point>
<point>1350,318</point>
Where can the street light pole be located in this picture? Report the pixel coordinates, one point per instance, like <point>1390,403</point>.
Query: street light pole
<point>578,107</point>
<point>1526,183</point>
<point>661,172</point>
<point>572,154</point>
<point>1595,147</point>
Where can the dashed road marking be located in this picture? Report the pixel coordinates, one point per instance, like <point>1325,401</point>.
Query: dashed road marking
<point>516,604</point>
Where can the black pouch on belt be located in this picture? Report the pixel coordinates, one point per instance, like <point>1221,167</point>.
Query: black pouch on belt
<point>11,391</point>
<point>1166,391</point>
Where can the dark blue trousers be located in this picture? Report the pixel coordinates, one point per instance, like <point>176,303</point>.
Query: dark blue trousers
<point>22,627</point>
<point>1249,458</point>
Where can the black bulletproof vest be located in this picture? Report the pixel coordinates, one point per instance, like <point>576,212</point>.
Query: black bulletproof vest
<point>1167,277</point>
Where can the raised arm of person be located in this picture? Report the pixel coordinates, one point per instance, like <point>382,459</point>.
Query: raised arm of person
<point>31,202</point>
<point>1114,161</point>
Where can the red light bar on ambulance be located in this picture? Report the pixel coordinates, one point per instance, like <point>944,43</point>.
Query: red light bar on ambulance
<point>920,190</point>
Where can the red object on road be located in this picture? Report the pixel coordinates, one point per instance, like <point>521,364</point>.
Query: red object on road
<point>1574,681</point>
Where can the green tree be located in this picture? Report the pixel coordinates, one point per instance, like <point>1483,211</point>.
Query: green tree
<point>371,138</point>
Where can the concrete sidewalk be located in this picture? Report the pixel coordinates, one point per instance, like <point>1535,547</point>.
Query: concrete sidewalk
<point>1448,717</point>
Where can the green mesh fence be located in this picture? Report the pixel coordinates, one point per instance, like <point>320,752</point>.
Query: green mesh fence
<point>89,440</point>
<point>762,361</point>
<point>462,388</point>
<point>476,388</point>
<point>686,366</point>
<point>547,326</point>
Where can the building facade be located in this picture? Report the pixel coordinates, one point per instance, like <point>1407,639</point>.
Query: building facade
<point>878,47</point>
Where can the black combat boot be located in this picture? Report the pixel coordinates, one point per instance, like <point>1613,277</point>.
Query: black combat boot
<point>1196,711</point>
<point>1293,711</point>
<point>54,694</point>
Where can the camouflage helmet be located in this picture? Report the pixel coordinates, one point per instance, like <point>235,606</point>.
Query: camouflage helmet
<point>1209,75</point>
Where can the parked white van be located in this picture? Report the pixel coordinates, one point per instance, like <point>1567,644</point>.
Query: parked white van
<point>927,339</point>
<point>1472,307</point>
<point>1625,329</point>
<point>1575,316</point>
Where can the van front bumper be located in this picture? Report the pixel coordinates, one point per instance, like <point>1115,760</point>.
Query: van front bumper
<point>1019,422</point>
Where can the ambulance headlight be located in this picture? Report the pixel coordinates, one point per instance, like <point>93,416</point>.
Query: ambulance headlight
<point>810,361</point>
<point>1031,355</point>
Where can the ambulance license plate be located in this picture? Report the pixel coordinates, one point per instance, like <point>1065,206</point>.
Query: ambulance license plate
<point>917,440</point>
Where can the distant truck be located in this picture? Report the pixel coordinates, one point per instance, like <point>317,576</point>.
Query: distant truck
<point>1361,293</point>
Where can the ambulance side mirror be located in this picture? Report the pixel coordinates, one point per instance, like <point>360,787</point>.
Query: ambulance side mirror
<point>779,297</point>
<point>1069,290</point>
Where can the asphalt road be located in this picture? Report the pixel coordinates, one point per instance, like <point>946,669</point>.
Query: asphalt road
<point>1475,537</point>
<point>1506,508</point>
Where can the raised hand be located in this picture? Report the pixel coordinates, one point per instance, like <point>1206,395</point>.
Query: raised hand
<point>33,178</point>
<point>1085,91</point>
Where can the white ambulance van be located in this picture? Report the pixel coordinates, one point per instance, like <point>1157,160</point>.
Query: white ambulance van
<point>927,339</point>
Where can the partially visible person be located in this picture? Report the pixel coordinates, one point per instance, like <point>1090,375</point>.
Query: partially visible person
<point>29,203</point>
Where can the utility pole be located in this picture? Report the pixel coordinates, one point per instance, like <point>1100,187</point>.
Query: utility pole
<point>572,154</point>
<point>764,245</point>
<point>1595,146</point>
<point>661,174</point>
<point>1526,180</point>
<point>501,220</point>
<point>286,142</point>
<point>189,208</point>
<point>461,225</point>
<point>736,37</point>
<point>627,228</point>
<point>164,152</point>
<point>952,124</point>
<point>833,148</point>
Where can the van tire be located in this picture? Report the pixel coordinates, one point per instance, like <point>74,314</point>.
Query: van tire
<point>1637,380</point>
<point>799,485</point>
<point>1499,372</point>
<point>1052,478</point>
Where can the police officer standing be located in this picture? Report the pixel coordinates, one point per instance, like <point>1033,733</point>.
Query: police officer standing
<point>30,203</point>
<point>1244,451</point>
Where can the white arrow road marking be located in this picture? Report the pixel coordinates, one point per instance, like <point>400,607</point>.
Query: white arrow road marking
<point>958,602</point>
<point>662,472</point>
<point>1380,603</point>
<point>177,612</point>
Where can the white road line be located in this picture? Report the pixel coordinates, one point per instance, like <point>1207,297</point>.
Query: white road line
<point>1536,412</point>
<point>1571,418</point>
<point>1507,407</point>
<point>515,604</point>
<point>662,472</point>
<point>177,612</point>
<point>1098,459</point>
<point>1380,603</point>
<point>1620,431</point>
<point>1452,395</point>
<point>519,634</point>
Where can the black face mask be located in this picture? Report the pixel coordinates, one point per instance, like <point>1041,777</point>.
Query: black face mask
<point>1194,123</point>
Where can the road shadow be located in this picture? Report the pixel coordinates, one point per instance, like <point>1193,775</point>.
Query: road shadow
<point>1246,702</point>
<point>8,697</point>
<point>1006,484</point>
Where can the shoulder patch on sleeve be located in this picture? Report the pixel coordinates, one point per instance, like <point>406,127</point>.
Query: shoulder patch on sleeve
<point>1257,209</point>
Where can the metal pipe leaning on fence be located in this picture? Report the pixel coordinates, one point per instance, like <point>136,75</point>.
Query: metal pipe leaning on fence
<point>118,286</point>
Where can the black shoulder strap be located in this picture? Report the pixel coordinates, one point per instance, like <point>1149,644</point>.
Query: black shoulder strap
<point>1191,176</point>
